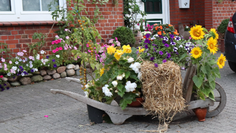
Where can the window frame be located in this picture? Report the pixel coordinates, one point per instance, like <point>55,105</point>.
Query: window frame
<point>17,13</point>
<point>153,6</point>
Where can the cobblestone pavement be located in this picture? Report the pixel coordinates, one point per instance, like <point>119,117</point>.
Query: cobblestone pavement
<point>23,110</point>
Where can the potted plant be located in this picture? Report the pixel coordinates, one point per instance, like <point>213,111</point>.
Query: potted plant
<point>221,30</point>
<point>202,56</point>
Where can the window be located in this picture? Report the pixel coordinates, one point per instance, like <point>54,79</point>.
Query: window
<point>153,6</point>
<point>28,10</point>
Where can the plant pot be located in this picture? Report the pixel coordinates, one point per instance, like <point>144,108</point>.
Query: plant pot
<point>221,45</point>
<point>95,115</point>
<point>201,113</point>
<point>137,103</point>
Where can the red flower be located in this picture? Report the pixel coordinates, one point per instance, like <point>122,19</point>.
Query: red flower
<point>1,76</point>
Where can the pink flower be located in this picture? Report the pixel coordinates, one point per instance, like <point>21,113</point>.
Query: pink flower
<point>190,37</point>
<point>24,51</point>
<point>113,45</point>
<point>94,47</point>
<point>87,45</point>
<point>75,48</point>
<point>57,49</point>
<point>10,62</point>
<point>31,57</point>
<point>116,38</point>
<point>60,48</point>
<point>89,51</point>
<point>12,71</point>
<point>54,51</point>
<point>2,59</point>
<point>65,47</point>
<point>110,41</point>
<point>56,36</point>
<point>53,42</point>
<point>20,53</point>
<point>117,43</point>
<point>138,24</point>
<point>1,76</point>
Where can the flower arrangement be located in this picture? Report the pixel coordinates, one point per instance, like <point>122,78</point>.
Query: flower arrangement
<point>119,76</point>
<point>202,55</point>
<point>164,44</point>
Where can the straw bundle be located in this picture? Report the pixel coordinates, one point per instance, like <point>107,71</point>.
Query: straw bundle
<point>162,90</point>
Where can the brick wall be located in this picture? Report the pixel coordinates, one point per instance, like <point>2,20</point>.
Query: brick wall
<point>187,16</point>
<point>18,34</point>
<point>222,11</point>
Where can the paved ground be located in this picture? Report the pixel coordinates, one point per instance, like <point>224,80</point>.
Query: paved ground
<point>23,110</point>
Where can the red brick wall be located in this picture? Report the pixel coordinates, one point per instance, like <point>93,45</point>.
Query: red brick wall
<point>18,34</point>
<point>222,11</point>
<point>186,16</point>
<point>17,37</point>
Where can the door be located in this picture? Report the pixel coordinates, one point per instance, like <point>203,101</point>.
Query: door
<point>157,11</point>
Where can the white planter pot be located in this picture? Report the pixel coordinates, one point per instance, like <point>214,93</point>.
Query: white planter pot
<point>184,3</point>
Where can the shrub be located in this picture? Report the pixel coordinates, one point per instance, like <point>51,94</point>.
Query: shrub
<point>125,35</point>
<point>223,26</point>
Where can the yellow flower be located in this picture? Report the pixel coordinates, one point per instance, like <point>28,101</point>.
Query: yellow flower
<point>221,61</point>
<point>118,54</point>
<point>126,49</point>
<point>111,50</point>
<point>196,32</point>
<point>102,71</point>
<point>214,32</point>
<point>140,50</point>
<point>196,52</point>
<point>212,45</point>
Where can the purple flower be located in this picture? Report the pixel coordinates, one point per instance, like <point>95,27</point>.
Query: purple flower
<point>164,61</point>
<point>160,36</point>
<point>166,45</point>
<point>146,46</point>
<point>147,35</point>
<point>178,38</point>
<point>47,56</point>
<point>156,65</point>
<point>166,38</point>
<point>152,58</point>
<point>177,53</point>
<point>154,49</point>
<point>147,41</point>
<point>8,88</point>
<point>172,36</point>
<point>168,55</point>
<point>53,60</point>
<point>172,43</point>
<point>163,41</point>
<point>32,70</point>
<point>25,73</point>
<point>154,45</point>
<point>55,65</point>
<point>160,52</point>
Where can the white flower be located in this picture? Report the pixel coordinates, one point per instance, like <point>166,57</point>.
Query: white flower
<point>30,62</point>
<point>20,53</point>
<point>35,69</point>
<point>114,83</point>
<point>67,37</point>
<point>20,60</point>
<point>130,60</point>
<point>31,66</point>
<point>123,75</point>
<point>87,86</point>
<point>181,46</point>
<point>2,59</point>
<point>9,74</point>
<point>27,65</point>
<point>31,57</point>
<point>42,52</point>
<point>136,66</point>
<point>14,68</point>
<point>130,87</point>
<point>56,36</point>
<point>24,61</point>
<point>22,74</point>
<point>16,62</point>
<point>86,93</point>
<point>119,77</point>
<point>106,91</point>
<point>139,75</point>
<point>37,56</point>
<point>58,56</point>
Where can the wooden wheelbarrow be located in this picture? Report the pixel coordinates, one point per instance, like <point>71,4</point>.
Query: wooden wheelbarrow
<point>118,116</point>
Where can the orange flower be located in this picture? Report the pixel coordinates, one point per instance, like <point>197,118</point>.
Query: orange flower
<point>176,32</point>
<point>161,27</point>
<point>149,38</point>
<point>155,24</point>
<point>156,27</point>
<point>164,32</point>
<point>144,36</point>
<point>159,33</point>
<point>169,25</point>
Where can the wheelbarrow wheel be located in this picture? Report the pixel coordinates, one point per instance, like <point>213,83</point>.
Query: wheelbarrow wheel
<point>219,104</point>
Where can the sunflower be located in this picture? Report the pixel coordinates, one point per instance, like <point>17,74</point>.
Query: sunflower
<point>212,45</point>
<point>213,31</point>
<point>221,61</point>
<point>196,52</point>
<point>196,32</point>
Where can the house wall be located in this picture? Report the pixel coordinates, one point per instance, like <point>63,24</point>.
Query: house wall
<point>18,34</point>
<point>190,16</point>
<point>222,11</point>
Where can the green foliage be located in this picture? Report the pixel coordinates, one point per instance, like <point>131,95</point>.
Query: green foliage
<point>124,35</point>
<point>223,26</point>
<point>36,47</point>
<point>131,9</point>
<point>5,51</point>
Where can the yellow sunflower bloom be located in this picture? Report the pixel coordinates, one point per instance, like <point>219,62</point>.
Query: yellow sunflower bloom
<point>196,32</point>
<point>111,50</point>
<point>221,61</point>
<point>216,34</point>
<point>140,50</point>
<point>212,45</point>
<point>196,52</point>
<point>126,49</point>
<point>118,54</point>
<point>102,71</point>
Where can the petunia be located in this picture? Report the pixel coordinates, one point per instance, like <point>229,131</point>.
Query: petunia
<point>156,65</point>
<point>166,45</point>
<point>160,52</point>
<point>164,61</point>
<point>172,36</point>
<point>146,46</point>
<point>152,58</point>
<point>147,41</point>
<point>147,35</point>
<point>55,65</point>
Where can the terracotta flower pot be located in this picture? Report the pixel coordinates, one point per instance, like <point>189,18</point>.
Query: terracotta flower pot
<point>200,113</point>
<point>137,103</point>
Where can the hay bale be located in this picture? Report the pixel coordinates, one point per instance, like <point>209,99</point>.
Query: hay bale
<point>162,89</point>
